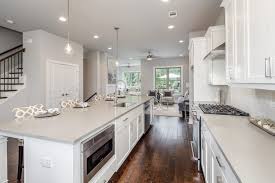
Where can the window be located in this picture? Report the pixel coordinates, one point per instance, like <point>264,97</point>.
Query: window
<point>132,79</point>
<point>168,78</point>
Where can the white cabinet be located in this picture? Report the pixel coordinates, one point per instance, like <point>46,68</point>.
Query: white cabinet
<point>260,45</point>
<point>230,40</point>
<point>199,75</point>
<point>129,129</point>
<point>215,167</point>
<point>122,143</point>
<point>133,132</point>
<point>140,125</point>
<point>250,48</point>
<point>3,160</point>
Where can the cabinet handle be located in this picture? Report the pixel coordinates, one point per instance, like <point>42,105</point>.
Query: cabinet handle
<point>219,179</point>
<point>125,119</point>
<point>218,160</point>
<point>268,72</point>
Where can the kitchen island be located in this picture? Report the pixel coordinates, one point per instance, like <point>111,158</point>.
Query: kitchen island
<point>53,149</point>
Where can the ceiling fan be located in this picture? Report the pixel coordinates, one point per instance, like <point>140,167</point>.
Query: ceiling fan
<point>128,65</point>
<point>151,56</point>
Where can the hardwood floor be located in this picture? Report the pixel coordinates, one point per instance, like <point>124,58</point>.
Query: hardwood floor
<point>162,156</point>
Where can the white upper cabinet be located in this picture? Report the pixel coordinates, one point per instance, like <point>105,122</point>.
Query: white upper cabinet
<point>260,45</point>
<point>230,40</point>
<point>250,43</point>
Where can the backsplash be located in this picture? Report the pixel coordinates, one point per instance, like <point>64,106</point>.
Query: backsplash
<point>256,102</point>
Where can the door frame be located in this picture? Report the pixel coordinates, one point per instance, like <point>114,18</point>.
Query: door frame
<point>48,63</point>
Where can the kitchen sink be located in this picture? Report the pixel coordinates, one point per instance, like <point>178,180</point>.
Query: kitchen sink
<point>124,104</point>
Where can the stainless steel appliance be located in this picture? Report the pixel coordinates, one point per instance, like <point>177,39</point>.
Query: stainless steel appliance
<point>196,141</point>
<point>147,116</point>
<point>222,110</point>
<point>96,151</point>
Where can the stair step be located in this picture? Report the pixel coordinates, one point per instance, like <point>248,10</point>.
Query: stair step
<point>10,78</point>
<point>15,72</point>
<point>3,97</point>
<point>20,68</point>
<point>11,83</point>
<point>8,90</point>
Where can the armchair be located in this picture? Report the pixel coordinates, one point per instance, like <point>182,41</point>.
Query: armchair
<point>168,98</point>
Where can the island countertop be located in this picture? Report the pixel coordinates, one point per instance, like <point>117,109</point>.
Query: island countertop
<point>72,124</point>
<point>249,150</point>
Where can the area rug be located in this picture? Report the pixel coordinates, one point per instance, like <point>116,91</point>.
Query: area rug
<point>163,110</point>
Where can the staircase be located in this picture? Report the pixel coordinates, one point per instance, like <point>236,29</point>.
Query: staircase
<point>11,72</point>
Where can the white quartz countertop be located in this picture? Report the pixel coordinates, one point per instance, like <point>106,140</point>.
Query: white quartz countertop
<point>249,150</point>
<point>73,124</point>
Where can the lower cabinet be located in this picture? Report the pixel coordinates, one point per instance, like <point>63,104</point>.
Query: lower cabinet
<point>133,132</point>
<point>3,160</point>
<point>215,167</point>
<point>140,125</point>
<point>122,144</point>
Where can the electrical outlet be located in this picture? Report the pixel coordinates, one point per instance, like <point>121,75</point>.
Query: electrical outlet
<point>46,162</point>
<point>272,103</point>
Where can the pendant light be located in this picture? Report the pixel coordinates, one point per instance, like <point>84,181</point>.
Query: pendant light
<point>117,29</point>
<point>68,47</point>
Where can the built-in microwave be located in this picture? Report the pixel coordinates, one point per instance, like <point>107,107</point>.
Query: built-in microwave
<point>96,151</point>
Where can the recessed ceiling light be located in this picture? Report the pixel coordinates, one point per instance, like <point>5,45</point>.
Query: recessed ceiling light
<point>62,19</point>
<point>130,58</point>
<point>165,1</point>
<point>181,41</point>
<point>110,48</point>
<point>171,27</point>
<point>96,36</point>
<point>10,21</point>
<point>117,63</point>
<point>181,55</point>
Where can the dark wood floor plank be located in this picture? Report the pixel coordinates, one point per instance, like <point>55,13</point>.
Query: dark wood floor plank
<point>162,156</point>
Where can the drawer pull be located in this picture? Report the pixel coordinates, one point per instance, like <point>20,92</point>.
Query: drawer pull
<point>218,160</point>
<point>125,119</point>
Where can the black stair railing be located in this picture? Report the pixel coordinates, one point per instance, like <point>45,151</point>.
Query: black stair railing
<point>11,69</point>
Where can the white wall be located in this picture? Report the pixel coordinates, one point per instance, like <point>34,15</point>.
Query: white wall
<point>95,73</point>
<point>147,71</point>
<point>41,46</point>
<point>90,73</point>
<point>9,39</point>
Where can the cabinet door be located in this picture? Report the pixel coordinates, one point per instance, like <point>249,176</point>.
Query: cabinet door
<point>240,49</point>
<point>204,156</point>
<point>260,45</point>
<point>217,176</point>
<point>140,125</point>
<point>122,144</point>
<point>133,132</point>
<point>230,40</point>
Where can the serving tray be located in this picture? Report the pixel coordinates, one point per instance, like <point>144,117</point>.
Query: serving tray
<point>261,125</point>
<point>47,115</point>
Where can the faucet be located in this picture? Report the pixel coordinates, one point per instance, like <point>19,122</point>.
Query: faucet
<point>116,89</point>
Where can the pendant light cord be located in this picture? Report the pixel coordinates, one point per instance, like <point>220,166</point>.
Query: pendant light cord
<point>68,20</point>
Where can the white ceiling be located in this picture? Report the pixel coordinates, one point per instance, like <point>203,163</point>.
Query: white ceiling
<point>143,23</point>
